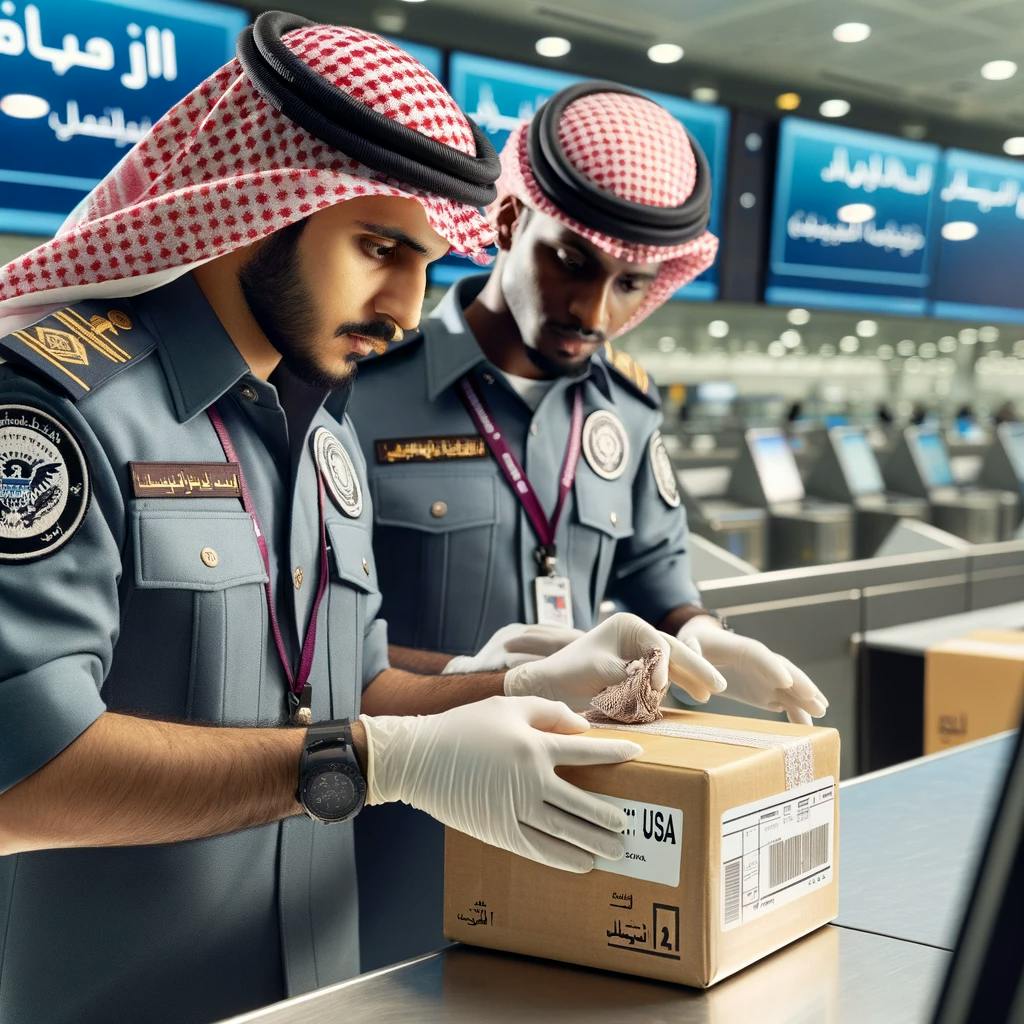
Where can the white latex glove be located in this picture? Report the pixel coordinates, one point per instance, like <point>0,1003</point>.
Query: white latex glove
<point>598,659</point>
<point>493,656</point>
<point>757,676</point>
<point>488,770</point>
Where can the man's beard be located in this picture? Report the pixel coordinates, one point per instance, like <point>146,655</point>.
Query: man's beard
<point>284,309</point>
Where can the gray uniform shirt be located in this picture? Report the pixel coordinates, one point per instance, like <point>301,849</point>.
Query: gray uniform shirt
<point>455,550</point>
<point>129,616</point>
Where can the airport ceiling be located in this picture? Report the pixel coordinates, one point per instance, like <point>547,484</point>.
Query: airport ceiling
<point>920,69</point>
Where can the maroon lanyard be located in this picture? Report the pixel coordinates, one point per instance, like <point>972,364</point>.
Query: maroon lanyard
<point>299,691</point>
<point>514,473</point>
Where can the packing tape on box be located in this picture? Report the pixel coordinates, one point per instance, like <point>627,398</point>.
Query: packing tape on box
<point>797,753</point>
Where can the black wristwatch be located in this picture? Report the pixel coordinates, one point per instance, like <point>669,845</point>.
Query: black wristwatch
<point>331,784</point>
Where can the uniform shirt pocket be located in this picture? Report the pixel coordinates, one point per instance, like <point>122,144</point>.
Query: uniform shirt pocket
<point>435,534</point>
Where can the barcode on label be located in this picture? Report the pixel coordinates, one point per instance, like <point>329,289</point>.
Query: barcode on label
<point>796,856</point>
<point>732,891</point>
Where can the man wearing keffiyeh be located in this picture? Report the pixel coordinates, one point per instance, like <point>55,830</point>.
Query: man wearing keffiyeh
<point>188,580</point>
<point>601,215</point>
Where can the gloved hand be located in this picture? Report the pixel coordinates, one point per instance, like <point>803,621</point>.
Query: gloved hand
<point>596,660</point>
<point>488,769</point>
<point>512,645</point>
<point>757,676</point>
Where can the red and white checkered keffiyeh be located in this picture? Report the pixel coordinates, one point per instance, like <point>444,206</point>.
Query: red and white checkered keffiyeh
<point>636,149</point>
<point>223,169</point>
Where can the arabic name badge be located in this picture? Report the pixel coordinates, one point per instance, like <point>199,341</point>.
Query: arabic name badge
<point>605,444</point>
<point>44,484</point>
<point>664,474</point>
<point>339,475</point>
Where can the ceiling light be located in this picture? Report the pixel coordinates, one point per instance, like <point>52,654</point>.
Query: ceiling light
<point>834,108</point>
<point>851,32</point>
<point>798,317</point>
<point>947,344</point>
<point>998,70</point>
<point>748,200</point>
<point>959,230</point>
<point>827,350</point>
<point>856,213</point>
<point>665,53</point>
<point>988,335</point>
<point>906,347</point>
<point>790,338</point>
<point>776,349</point>
<point>705,94</point>
<point>787,100</point>
<point>928,350</point>
<point>969,336</point>
<point>667,343</point>
<point>866,328</point>
<point>849,343</point>
<point>718,328</point>
<point>552,46</point>
<point>1014,146</point>
<point>885,352</point>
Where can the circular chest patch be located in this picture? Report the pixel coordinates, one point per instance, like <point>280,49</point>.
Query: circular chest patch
<point>664,474</point>
<point>44,484</point>
<point>605,444</point>
<point>338,472</point>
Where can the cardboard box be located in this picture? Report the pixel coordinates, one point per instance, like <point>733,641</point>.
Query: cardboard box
<point>973,687</point>
<point>724,863</point>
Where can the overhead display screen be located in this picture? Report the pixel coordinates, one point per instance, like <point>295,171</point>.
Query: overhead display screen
<point>81,81</point>
<point>980,238</point>
<point>852,220</point>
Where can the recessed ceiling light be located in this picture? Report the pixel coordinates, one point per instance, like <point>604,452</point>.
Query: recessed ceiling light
<point>665,53</point>
<point>959,230</point>
<point>787,100</point>
<point>988,335</point>
<point>851,32</point>
<point>928,350</point>
<point>849,344</point>
<point>24,105</point>
<point>969,336</point>
<point>552,46</point>
<point>834,108</point>
<point>798,317</point>
<point>856,213</point>
<point>998,70</point>
<point>790,338</point>
<point>905,348</point>
<point>866,328</point>
<point>705,94</point>
<point>1014,146</point>
<point>718,328</point>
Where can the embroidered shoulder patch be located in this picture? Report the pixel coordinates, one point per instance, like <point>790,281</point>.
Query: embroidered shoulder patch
<point>44,484</point>
<point>80,348</point>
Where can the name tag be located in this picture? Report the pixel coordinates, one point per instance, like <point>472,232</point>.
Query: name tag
<point>185,479</point>
<point>554,600</point>
<point>430,449</point>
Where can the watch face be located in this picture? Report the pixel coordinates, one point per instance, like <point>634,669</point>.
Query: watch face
<point>331,794</point>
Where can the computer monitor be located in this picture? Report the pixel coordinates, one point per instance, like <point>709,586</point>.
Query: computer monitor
<point>932,458</point>
<point>858,462</point>
<point>776,466</point>
<point>1012,437</point>
<point>984,982</point>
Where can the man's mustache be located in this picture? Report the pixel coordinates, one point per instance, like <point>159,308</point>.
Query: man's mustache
<point>382,330</point>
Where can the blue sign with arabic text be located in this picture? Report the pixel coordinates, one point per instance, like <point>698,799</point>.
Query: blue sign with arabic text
<point>852,219</point>
<point>81,81</point>
<point>500,96</point>
<point>977,272</point>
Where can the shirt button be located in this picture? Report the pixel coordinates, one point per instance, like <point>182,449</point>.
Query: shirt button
<point>534,430</point>
<point>614,518</point>
<point>210,558</point>
<point>439,509</point>
<point>366,567</point>
<point>297,577</point>
<point>248,392</point>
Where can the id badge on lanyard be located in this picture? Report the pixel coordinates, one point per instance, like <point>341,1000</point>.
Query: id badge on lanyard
<point>552,592</point>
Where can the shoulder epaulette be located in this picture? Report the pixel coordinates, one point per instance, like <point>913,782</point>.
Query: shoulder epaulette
<point>627,369</point>
<point>82,347</point>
